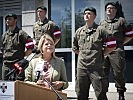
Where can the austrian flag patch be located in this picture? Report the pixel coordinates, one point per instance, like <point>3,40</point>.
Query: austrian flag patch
<point>56,31</point>
<point>129,33</point>
<point>29,44</point>
<point>110,42</point>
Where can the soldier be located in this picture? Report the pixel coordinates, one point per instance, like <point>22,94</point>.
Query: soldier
<point>116,26</point>
<point>89,43</point>
<point>14,42</point>
<point>44,25</point>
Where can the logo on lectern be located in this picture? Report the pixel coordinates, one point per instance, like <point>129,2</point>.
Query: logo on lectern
<point>3,87</point>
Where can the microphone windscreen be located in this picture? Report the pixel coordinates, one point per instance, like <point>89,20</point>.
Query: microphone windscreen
<point>37,76</point>
<point>39,66</point>
<point>23,63</point>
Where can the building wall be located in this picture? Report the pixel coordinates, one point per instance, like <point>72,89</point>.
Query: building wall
<point>26,11</point>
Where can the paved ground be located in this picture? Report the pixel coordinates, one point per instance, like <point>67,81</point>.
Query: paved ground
<point>111,95</point>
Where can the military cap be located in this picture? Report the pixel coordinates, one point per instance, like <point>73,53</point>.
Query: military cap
<point>42,7</point>
<point>11,15</point>
<point>91,9</point>
<point>111,3</point>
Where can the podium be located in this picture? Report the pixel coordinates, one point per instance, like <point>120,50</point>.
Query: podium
<point>26,91</point>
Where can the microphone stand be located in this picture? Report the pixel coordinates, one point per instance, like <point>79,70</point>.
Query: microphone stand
<point>58,96</point>
<point>11,72</point>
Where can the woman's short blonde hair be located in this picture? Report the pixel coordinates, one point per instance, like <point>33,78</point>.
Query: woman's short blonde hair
<point>42,40</point>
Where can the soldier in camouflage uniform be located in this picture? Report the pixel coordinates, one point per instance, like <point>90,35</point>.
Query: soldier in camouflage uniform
<point>44,25</point>
<point>89,43</point>
<point>14,42</point>
<point>117,27</point>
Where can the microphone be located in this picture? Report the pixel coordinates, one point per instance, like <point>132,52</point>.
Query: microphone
<point>19,67</point>
<point>39,70</point>
<point>22,64</point>
<point>37,76</point>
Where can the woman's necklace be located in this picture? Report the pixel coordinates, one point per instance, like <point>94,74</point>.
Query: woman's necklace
<point>47,65</point>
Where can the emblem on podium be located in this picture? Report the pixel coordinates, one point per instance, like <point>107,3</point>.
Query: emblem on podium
<point>3,87</point>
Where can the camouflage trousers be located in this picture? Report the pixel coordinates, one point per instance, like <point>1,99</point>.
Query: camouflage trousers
<point>116,63</point>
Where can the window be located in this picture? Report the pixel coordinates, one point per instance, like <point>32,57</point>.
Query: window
<point>1,28</point>
<point>61,15</point>
<point>1,31</point>
<point>80,6</point>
